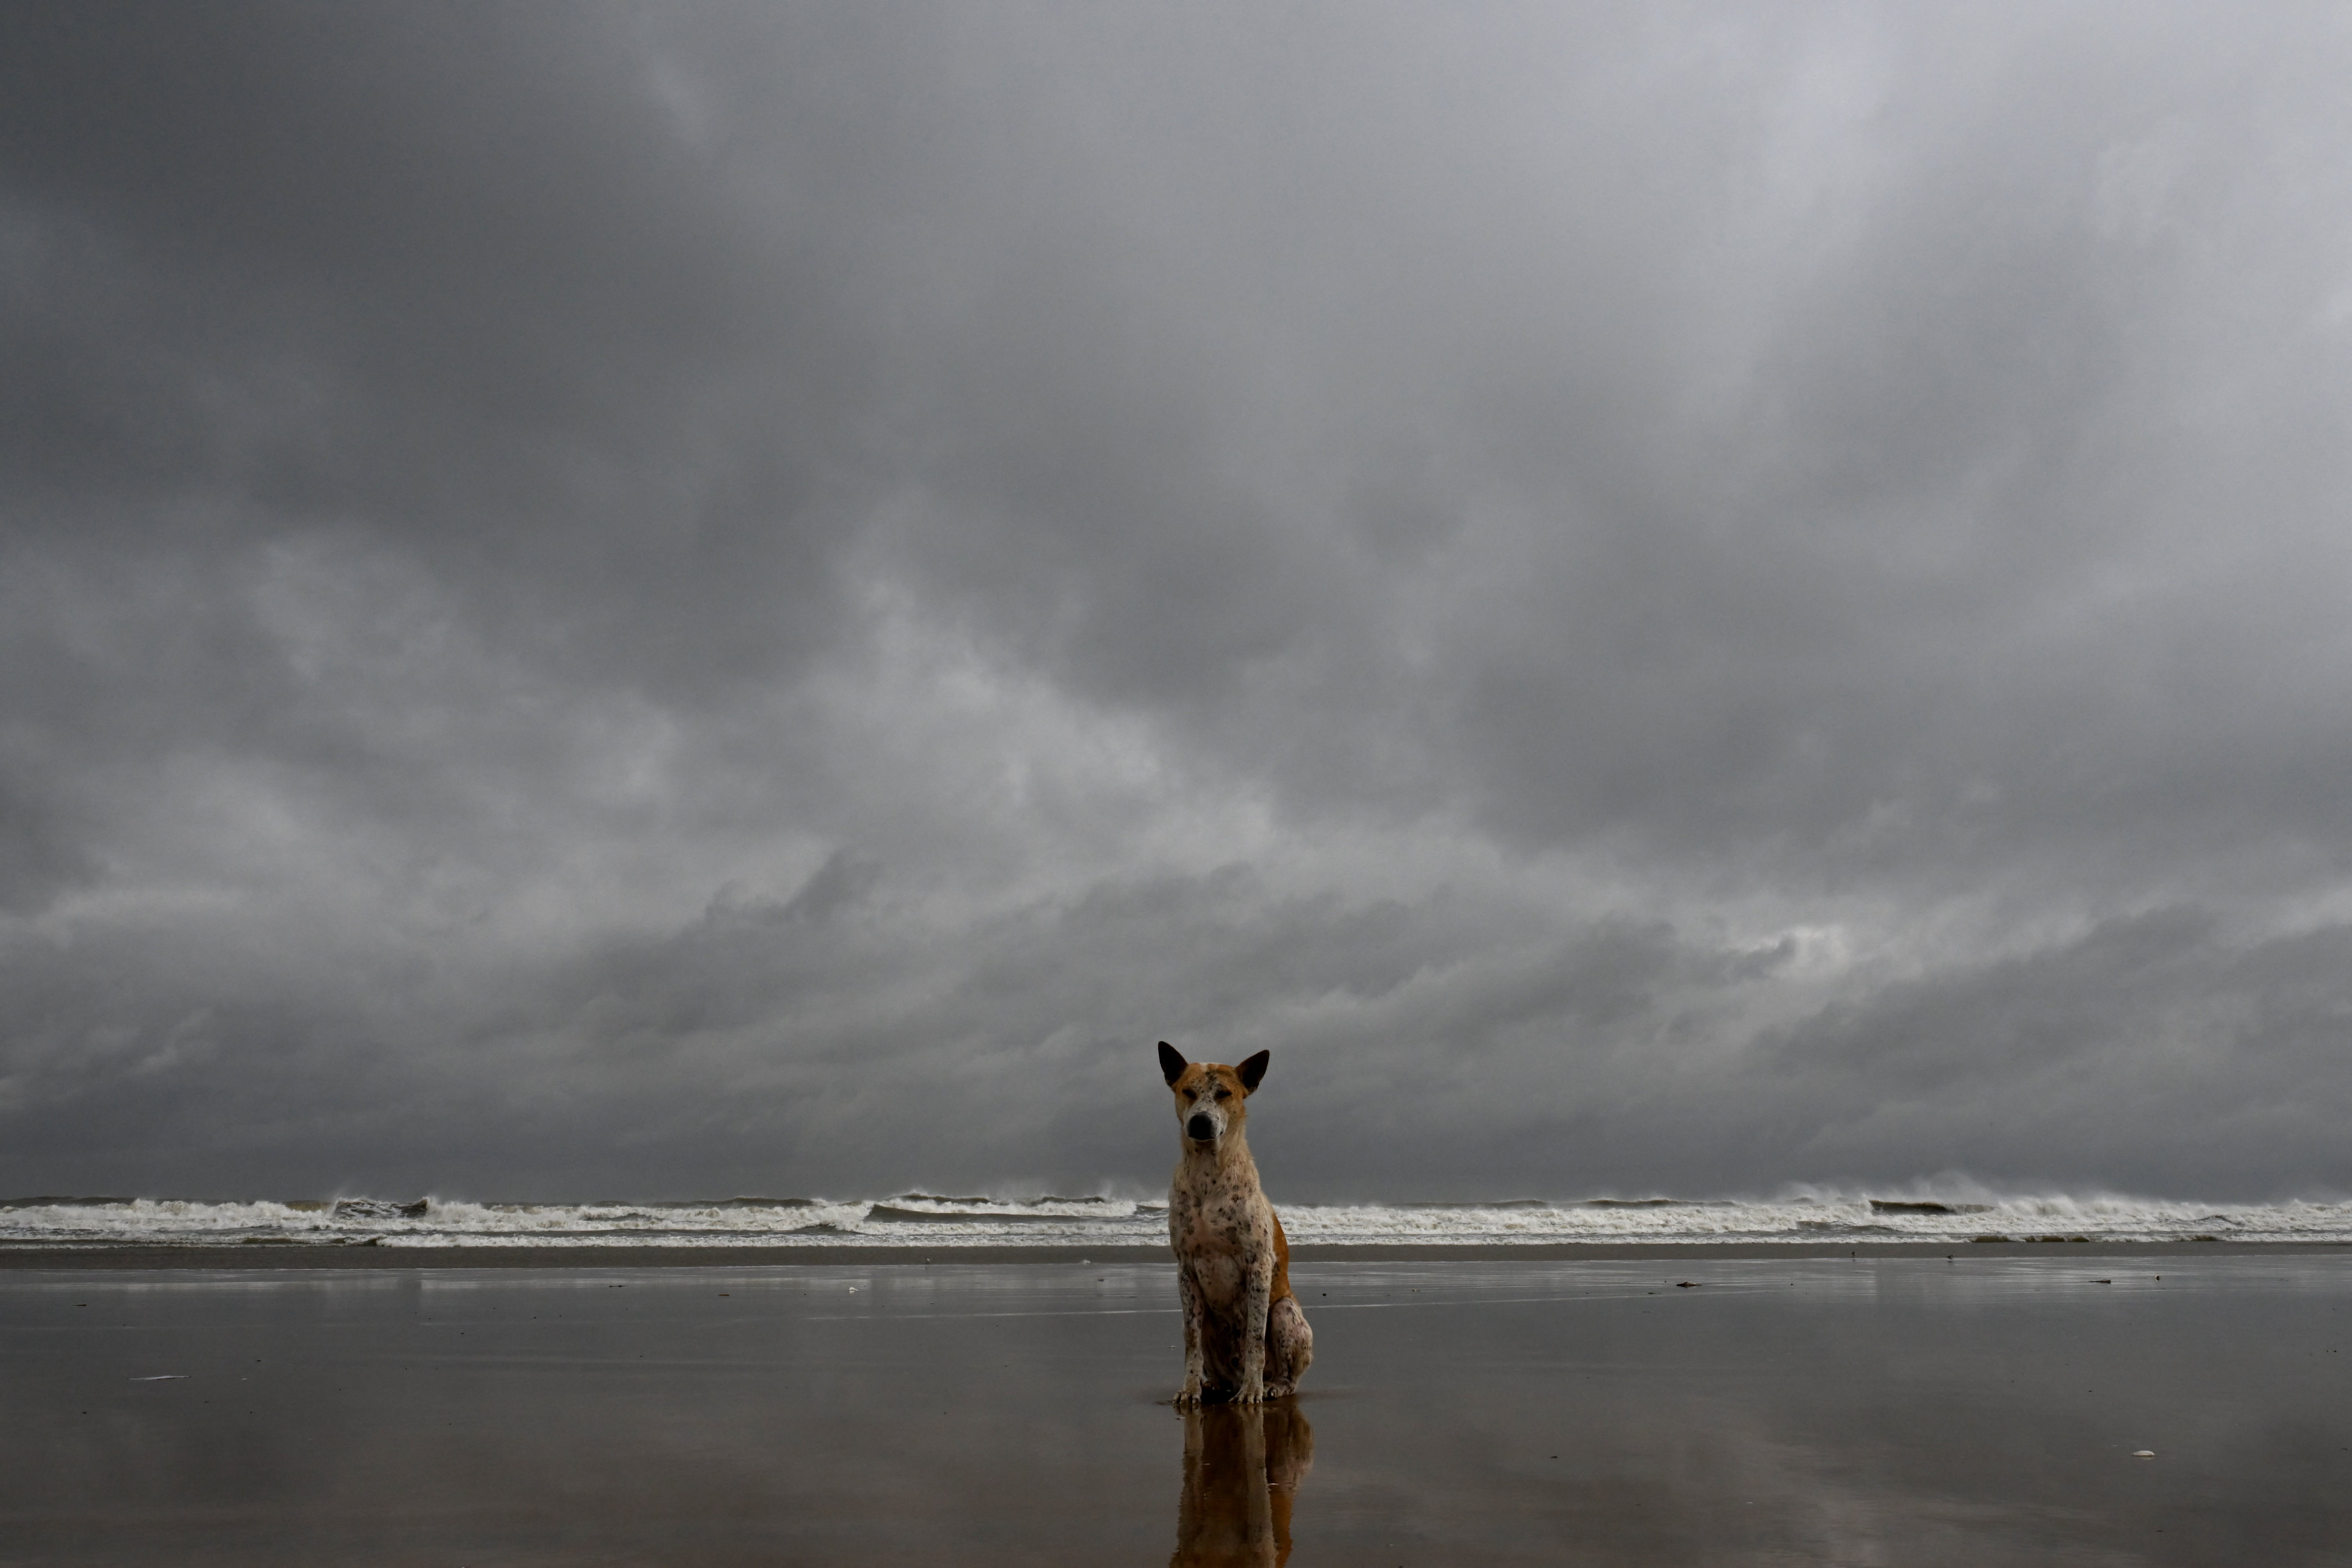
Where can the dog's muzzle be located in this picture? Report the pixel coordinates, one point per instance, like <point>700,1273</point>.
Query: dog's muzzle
<point>1201,1130</point>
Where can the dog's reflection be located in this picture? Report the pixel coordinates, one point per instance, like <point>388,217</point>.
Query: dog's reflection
<point>1242,1465</point>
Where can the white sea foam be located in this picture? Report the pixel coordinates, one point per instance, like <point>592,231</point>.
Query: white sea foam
<point>914,1220</point>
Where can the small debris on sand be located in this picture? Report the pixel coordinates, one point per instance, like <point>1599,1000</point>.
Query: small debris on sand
<point>2143,1452</point>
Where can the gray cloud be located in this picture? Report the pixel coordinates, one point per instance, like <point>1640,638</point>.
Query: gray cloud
<point>664,599</point>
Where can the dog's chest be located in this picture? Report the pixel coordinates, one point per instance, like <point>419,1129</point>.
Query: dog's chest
<point>1223,1234</point>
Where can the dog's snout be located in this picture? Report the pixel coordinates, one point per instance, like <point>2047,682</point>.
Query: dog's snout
<point>1201,1128</point>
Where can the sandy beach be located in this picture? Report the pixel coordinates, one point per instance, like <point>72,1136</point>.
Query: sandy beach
<point>1473,1410</point>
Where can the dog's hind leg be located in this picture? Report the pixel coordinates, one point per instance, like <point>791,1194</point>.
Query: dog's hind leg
<point>1289,1347</point>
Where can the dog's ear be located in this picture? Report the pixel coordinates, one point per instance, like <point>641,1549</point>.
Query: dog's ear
<point>1252,1070</point>
<point>1171,1066</point>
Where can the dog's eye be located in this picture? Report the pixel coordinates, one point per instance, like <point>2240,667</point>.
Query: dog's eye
<point>1225,1094</point>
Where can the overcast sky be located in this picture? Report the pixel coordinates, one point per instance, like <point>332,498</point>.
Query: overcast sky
<point>698,599</point>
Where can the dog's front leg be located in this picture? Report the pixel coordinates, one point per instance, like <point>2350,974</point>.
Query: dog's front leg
<point>1257,1301</point>
<point>1188,1295</point>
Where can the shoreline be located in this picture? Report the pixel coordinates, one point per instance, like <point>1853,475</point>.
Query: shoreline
<point>282,1255</point>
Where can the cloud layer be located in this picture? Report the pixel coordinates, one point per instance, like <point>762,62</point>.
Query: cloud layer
<point>648,600</point>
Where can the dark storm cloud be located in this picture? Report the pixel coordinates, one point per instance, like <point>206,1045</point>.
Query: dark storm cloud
<point>1754,427</point>
<point>658,599</point>
<point>443,274</point>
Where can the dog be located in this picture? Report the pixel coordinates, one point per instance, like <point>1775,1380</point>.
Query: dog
<point>1246,1337</point>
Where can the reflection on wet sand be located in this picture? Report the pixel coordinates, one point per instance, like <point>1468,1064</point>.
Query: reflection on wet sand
<point>1242,1465</point>
<point>1941,1414</point>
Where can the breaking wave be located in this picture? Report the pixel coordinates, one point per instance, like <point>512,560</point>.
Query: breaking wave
<point>919,1219</point>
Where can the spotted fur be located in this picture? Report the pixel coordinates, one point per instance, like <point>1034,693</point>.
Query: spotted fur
<point>1245,1336</point>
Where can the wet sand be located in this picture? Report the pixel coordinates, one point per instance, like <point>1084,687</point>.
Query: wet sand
<point>1780,1409</point>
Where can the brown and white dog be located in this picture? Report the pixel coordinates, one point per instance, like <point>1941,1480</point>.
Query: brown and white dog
<point>1246,1338</point>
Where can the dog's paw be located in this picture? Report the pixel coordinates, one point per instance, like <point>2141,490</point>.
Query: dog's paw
<point>1252,1393</point>
<point>1189,1396</point>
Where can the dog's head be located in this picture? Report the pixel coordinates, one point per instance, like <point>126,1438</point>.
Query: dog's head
<point>1209,1095</point>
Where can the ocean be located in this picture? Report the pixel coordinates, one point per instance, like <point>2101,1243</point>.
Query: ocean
<point>918,1220</point>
